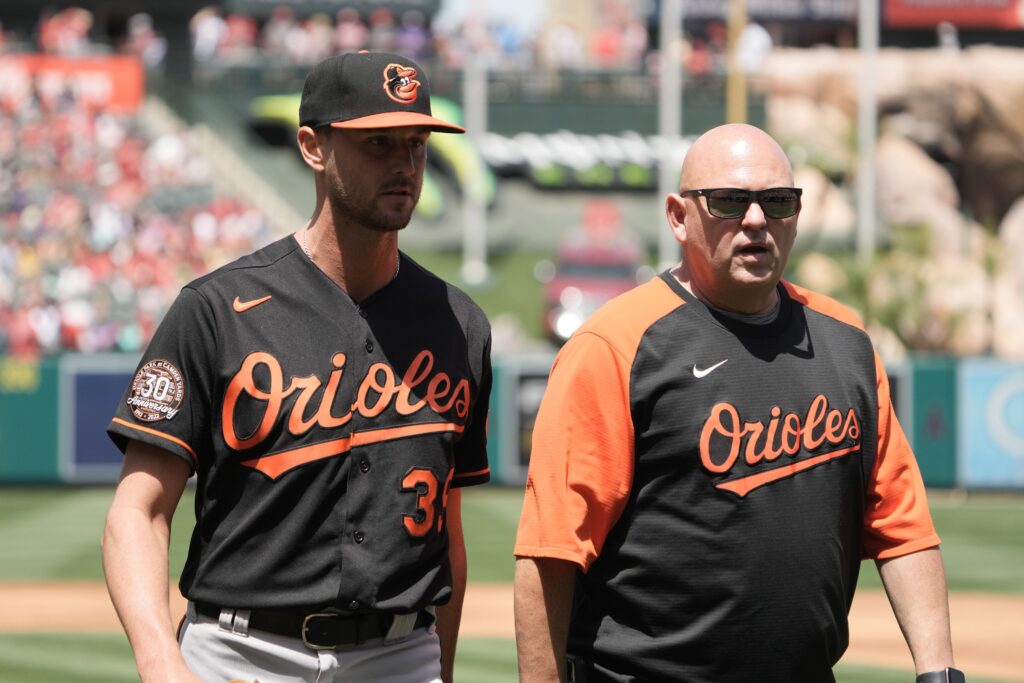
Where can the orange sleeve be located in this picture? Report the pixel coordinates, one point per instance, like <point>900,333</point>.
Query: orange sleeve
<point>581,463</point>
<point>896,517</point>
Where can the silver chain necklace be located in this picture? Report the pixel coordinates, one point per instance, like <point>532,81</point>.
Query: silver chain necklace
<point>305,249</point>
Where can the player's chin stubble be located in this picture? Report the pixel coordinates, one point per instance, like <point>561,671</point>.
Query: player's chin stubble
<point>368,214</point>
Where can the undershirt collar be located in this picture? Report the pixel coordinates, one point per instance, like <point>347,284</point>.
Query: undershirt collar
<point>765,318</point>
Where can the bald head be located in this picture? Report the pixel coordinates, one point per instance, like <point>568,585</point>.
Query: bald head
<point>733,261</point>
<point>735,155</point>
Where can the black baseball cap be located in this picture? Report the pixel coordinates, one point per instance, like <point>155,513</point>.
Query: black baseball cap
<point>369,90</point>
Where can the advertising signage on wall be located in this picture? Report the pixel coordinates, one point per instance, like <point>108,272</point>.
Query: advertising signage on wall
<point>115,82</point>
<point>977,14</point>
<point>991,421</point>
<point>91,386</point>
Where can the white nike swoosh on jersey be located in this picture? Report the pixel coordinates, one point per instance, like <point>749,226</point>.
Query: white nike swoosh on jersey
<point>707,371</point>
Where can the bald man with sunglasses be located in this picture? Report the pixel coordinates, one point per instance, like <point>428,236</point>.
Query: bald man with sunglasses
<point>715,454</point>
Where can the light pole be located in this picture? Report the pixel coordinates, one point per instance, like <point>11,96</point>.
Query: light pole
<point>670,120</point>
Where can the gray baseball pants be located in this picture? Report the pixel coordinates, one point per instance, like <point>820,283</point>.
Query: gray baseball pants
<point>227,650</point>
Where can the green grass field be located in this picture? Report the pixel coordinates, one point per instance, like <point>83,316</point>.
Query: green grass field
<point>52,534</point>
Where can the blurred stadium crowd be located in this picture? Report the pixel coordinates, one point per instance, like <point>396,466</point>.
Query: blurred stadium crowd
<point>622,39</point>
<point>70,32</point>
<point>101,222</point>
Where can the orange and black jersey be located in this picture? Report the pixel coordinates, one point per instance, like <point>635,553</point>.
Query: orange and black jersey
<point>718,483</point>
<point>325,435</point>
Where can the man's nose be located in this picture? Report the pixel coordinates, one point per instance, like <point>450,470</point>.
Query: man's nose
<point>754,218</point>
<point>405,159</point>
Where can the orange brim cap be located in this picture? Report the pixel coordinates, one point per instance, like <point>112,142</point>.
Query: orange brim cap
<point>396,119</point>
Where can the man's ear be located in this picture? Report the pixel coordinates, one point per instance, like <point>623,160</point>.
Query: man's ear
<point>675,211</point>
<point>310,147</point>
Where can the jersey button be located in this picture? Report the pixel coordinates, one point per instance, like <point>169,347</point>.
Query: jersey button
<point>359,536</point>
<point>419,516</point>
<point>364,465</point>
<point>354,605</point>
<point>369,346</point>
<point>362,313</point>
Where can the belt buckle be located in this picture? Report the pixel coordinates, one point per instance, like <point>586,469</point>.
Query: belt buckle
<point>320,615</point>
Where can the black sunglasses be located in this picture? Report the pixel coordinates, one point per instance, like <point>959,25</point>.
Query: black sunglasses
<point>733,202</point>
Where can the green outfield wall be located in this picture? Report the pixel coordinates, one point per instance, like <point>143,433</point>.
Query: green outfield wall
<point>964,417</point>
<point>29,402</point>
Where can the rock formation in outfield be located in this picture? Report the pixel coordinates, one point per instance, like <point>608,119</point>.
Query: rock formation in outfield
<point>950,188</point>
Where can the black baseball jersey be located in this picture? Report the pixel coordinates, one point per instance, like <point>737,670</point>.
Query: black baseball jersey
<point>325,435</point>
<point>718,483</point>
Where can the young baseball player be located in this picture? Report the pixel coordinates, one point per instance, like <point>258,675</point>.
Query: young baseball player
<point>331,397</point>
<point>714,455</point>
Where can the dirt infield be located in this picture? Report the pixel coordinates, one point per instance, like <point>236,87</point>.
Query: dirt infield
<point>988,630</point>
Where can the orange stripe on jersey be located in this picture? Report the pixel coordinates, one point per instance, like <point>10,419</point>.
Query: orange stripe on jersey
<point>463,475</point>
<point>276,464</point>
<point>154,432</point>
<point>823,304</point>
<point>581,465</point>
<point>745,485</point>
<point>897,520</point>
<point>392,433</point>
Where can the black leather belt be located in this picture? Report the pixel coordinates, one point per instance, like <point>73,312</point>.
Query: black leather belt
<point>321,630</point>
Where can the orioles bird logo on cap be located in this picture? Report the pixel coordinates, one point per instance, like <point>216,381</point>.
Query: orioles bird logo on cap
<point>400,83</point>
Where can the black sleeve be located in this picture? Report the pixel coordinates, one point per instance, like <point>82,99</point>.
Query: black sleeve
<point>471,466</point>
<point>168,403</point>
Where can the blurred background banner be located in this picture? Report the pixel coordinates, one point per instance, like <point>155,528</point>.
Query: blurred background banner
<point>991,424</point>
<point>930,418</point>
<point>1001,14</point>
<point>89,385</point>
<point>115,82</point>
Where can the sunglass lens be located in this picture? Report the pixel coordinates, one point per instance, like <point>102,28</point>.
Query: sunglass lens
<point>728,203</point>
<point>780,203</point>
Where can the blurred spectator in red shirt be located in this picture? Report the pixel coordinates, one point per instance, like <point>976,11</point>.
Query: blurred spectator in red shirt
<point>66,32</point>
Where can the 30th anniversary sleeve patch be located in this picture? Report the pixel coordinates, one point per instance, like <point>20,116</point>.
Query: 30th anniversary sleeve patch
<point>157,391</point>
